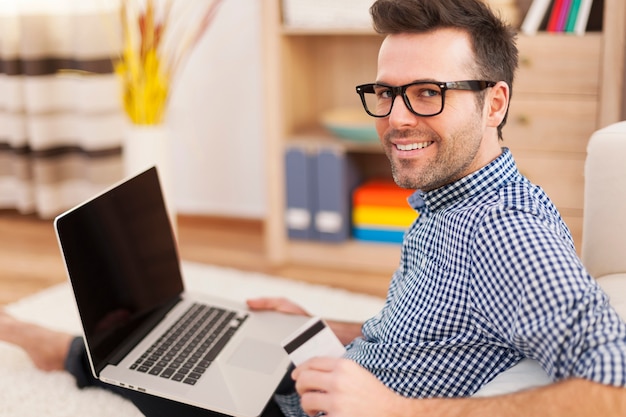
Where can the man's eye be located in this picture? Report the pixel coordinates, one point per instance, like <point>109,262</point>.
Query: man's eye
<point>428,92</point>
<point>384,94</point>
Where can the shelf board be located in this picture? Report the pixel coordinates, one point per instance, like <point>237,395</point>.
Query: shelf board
<point>353,255</point>
<point>322,137</point>
<point>328,31</point>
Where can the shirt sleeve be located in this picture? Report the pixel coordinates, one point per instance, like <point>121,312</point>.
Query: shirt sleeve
<point>530,291</point>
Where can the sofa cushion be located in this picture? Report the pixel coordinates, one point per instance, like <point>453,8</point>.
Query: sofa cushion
<point>526,374</point>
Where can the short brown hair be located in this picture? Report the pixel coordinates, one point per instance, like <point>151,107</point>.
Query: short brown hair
<point>493,40</point>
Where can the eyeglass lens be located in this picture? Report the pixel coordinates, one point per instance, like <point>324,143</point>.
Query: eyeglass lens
<point>425,99</point>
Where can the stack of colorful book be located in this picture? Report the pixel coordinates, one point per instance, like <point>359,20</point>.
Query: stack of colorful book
<point>380,212</point>
<point>565,16</point>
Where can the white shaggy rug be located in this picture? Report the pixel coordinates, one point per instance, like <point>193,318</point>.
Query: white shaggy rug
<point>26,391</point>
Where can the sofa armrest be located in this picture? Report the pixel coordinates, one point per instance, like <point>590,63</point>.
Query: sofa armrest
<point>604,222</point>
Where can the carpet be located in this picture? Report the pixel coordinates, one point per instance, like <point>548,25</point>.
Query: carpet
<point>25,391</point>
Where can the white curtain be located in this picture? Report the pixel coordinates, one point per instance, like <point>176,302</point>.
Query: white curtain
<point>61,123</point>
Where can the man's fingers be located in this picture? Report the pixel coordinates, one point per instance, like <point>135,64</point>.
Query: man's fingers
<point>314,402</point>
<point>261,303</point>
<point>279,304</point>
<point>321,364</point>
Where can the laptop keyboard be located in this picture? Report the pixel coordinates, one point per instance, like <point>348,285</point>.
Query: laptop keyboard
<point>189,346</point>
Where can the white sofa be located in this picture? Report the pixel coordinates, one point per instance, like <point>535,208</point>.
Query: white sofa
<point>604,222</point>
<point>603,249</point>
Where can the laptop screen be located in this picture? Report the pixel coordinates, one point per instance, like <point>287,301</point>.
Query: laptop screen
<point>122,262</point>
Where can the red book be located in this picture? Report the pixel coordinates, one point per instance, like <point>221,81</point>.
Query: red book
<point>381,193</point>
<point>553,22</point>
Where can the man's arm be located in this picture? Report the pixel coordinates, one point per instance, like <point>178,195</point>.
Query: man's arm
<point>341,388</point>
<point>571,398</point>
<point>345,331</point>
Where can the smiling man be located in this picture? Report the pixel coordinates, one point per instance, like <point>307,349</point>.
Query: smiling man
<point>488,273</point>
<point>434,131</point>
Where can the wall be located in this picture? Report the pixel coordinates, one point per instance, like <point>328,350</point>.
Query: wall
<point>217,118</point>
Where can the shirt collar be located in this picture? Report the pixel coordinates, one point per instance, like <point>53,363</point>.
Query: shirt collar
<point>491,177</point>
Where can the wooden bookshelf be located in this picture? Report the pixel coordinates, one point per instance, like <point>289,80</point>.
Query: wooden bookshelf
<point>567,87</point>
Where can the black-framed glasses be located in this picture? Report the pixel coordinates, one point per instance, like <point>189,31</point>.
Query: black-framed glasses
<point>422,98</point>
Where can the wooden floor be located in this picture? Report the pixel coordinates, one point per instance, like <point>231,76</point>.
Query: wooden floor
<point>30,260</point>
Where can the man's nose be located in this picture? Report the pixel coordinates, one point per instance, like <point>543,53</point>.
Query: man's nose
<point>400,114</point>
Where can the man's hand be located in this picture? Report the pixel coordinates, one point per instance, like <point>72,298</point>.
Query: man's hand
<point>281,305</point>
<point>340,387</point>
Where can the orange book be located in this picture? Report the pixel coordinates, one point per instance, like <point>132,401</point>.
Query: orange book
<point>380,193</point>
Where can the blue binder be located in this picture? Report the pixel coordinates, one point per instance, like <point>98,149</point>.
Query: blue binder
<point>337,176</point>
<point>300,187</point>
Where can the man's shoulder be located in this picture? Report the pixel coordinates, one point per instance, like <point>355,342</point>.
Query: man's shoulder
<point>522,195</point>
<point>522,206</point>
<point>517,195</point>
<point>518,203</point>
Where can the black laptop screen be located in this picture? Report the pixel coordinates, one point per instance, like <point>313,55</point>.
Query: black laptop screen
<point>122,262</point>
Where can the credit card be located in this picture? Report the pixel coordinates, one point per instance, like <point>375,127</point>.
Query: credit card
<point>313,339</point>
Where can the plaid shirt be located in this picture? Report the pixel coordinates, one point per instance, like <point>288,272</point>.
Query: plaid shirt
<point>488,275</point>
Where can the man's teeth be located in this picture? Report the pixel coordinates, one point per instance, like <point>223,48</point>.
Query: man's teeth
<point>412,146</point>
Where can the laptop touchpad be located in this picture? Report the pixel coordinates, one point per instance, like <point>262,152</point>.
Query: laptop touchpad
<point>256,355</point>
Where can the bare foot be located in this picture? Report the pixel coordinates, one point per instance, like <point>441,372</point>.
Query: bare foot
<point>46,348</point>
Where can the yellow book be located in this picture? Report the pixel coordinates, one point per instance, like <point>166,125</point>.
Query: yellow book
<point>383,216</point>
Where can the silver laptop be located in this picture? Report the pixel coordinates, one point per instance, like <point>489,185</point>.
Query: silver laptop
<point>142,330</point>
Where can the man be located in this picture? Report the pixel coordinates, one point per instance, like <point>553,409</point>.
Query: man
<point>488,272</point>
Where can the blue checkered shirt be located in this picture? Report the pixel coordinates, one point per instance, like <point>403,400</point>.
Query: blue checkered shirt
<point>488,275</point>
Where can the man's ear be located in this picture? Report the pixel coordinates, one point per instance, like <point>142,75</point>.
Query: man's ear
<point>497,103</point>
